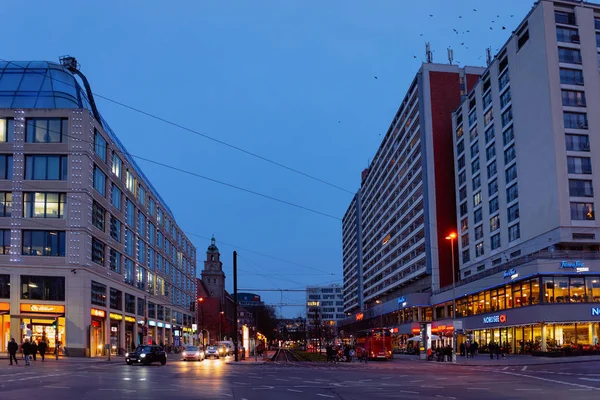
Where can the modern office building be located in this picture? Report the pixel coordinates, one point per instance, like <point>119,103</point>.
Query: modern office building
<point>395,227</point>
<point>526,159</point>
<point>92,257</point>
<point>324,308</point>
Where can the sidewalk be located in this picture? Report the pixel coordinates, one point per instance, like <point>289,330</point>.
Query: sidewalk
<point>511,360</point>
<point>63,359</point>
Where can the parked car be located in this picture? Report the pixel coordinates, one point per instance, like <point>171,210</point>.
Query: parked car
<point>193,353</point>
<point>146,355</point>
<point>228,346</point>
<point>216,351</point>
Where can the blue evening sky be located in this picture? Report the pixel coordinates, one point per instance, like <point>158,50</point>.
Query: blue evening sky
<point>290,80</point>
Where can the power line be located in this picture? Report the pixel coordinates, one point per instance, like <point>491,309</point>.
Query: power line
<point>195,132</point>
<point>289,203</point>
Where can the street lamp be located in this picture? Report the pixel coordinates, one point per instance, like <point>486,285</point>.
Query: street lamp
<point>451,238</point>
<point>201,302</point>
<point>220,319</point>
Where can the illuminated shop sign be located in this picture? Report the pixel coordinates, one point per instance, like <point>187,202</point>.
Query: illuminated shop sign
<point>360,316</point>
<point>42,308</point>
<point>168,326</point>
<point>97,313</point>
<point>152,323</point>
<point>313,304</point>
<point>160,324</point>
<point>117,317</point>
<point>401,300</point>
<point>596,311</point>
<point>571,264</point>
<point>130,319</point>
<point>510,272</point>
<point>495,319</point>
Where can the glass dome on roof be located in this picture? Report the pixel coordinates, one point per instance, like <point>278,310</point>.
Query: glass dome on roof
<point>44,84</point>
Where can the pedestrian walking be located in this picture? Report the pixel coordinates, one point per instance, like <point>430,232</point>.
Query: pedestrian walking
<point>26,346</point>
<point>42,347</point>
<point>34,350</point>
<point>12,348</point>
<point>492,348</point>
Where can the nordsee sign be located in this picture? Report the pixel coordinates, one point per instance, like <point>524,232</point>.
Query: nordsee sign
<point>510,272</point>
<point>596,312</point>
<point>571,264</point>
<point>495,319</point>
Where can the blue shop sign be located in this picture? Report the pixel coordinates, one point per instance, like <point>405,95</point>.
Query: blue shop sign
<point>571,264</point>
<point>510,272</point>
<point>596,312</point>
<point>401,300</point>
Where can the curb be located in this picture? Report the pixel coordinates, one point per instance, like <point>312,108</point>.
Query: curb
<point>512,365</point>
<point>244,363</point>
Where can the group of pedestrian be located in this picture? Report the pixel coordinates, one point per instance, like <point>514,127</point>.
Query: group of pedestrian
<point>496,349</point>
<point>469,349</point>
<point>340,353</point>
<point>28,349</point>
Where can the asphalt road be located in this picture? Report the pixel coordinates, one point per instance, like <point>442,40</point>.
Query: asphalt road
<point>213,379</point>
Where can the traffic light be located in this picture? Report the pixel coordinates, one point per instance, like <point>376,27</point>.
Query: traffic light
<point>55,323</point>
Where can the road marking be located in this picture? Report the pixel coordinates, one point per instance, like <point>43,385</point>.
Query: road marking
<point>57,387</point>
<point>505,368</point>
<point>117,390</point>
<point>324,395</point>
<point>263,388</point>
<point>283,380</point>
<point>408,392</point>
<point>580,390</point>
<point>313,382</point>
<point>524,368</point>
<point>478,388</point>
<point>418,380</point>
<point>551,380</point>
<point>523,389</point>
<point>445,397</point>
<point>240,383</point>
<point>294,390</point>
<point>590,379</point>
<point>387,377</point>
<point>432,387</point>
<point>441,379</point>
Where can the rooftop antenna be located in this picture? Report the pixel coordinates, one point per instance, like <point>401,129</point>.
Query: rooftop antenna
<point>428,53</point>
<point>450,55</point>
<point>488,56</point>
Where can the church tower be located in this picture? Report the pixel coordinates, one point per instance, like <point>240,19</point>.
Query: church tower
<point>212,275</point>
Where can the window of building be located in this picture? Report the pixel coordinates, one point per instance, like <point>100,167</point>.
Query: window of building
<point>507,117</point>
<point>462,177</point>
<point>466,256</point>
<point>140,276</point>
<point>477,216</point>
<point>575,120</point>
<point>7,130</point>
<point>514,232</point>
<point>564,17</point>
<point>100,145</point>
<point>128,275</point>
<point>115,196</point>
<point>115,228</point>
<point>5,204</point>
<point>459,132</point>
<point>129,243</point>
<point>130,213</point>
<point>115,261</point>
<point>464,224</point>
<point>475,166</point>
<point>487,99</point>
<point>476,182</point>
<point>98,294</point>
<point>141,194</point>
<point>579,165</point>
<point>571,76</point>
<point>513,212</point>
<point>509,154</point>
<point>150,283</point>
<point>477,199</point>
<point>511,173</point>
<point>479,249</point>
<point>4,241</point>
<point>478,232</point>
<point>460,162</point>
<point>130,182</point>
<point>44,205</point>
<point>116,299</point>
<point>474,149</point>
<point>567,55</point>
<point>99,181</point>
<point>44,167</point>
<point>43,243</point>
<point>46,130</point>
<point>490,134</point>
<point>490,152</point>
<point>491,169</point>
<point>98,216</point>
<point>493,205</point>
<point>472,117</point>
<point>580,188</point>
<point>505,98</point>
<point>503,81</point>
<point>117,165</point>
<point>567,35</point>
<point>464,240</point>
<point>494,223</point>
<point>151,257</point>
<point>508,135</point>
<point>141,224</point>
<point>462,193</point>
<point>151,233</point>
<point>4,286</point>
<point>523,38</point>
<point>130,303</point>
<point>151,206</point>
<point>141,257</point>
<point>573,98</point>
<point>495,241</point>
<point>582,211</point>
<point>460,147</point>
<point>512,193</point>
<point>488,117</point>
<point>577,142</point>
<point>49,288</point>
<point>97,251</point>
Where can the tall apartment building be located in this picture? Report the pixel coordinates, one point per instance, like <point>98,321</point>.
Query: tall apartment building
<point>394,230</point>
<point>91,255</point>
<point>523,143</point>
<point>324,308</point>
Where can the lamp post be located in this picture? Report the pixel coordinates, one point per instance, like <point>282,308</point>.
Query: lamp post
<point>220,320</point>
<point>451,238</point>
<point>201,303</point>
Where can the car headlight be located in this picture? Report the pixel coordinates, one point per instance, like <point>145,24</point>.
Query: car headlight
<point>142,355</point>
<point>197,353</point>
<point>184,353</point>
<point>126,354</point>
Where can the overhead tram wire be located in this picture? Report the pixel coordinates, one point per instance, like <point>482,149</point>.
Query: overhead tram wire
<point>181,170</point>
<point>204,135</point>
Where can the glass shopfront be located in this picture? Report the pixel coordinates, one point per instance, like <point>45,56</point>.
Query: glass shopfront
<point>4,326</point>
<point>115,333</point>
<point>130,324</point>
<point>42,322</point>
<point>97,332</point>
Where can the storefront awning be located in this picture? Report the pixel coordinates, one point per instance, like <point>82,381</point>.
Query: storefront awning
<point>38,316</point>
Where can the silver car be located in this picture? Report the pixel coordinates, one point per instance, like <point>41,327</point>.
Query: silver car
<point>215,351</point>
<point>193,353</point>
